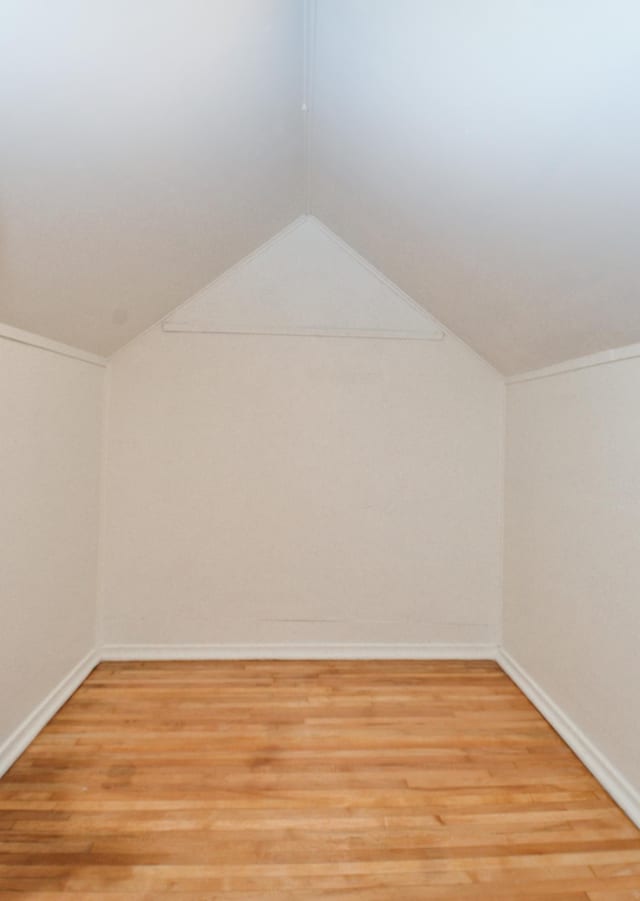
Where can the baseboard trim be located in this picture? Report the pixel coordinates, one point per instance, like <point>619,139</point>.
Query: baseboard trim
<point>622,792</point>
<point>300,651</point>
<point>22,737</point>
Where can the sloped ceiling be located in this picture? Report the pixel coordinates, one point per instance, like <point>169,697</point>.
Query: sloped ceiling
<point>483,155</point>
<point>145,146</point>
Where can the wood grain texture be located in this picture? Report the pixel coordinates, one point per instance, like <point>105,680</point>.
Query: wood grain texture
<point>376,781</point>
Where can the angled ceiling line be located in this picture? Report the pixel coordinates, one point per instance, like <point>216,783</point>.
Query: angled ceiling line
<point>575,364</point>
<point>306,259</point>
<point>310,20</point>
<point>30,339</point>
<point>217,280</point>
<point>382,278</point>
<point>421,136</point>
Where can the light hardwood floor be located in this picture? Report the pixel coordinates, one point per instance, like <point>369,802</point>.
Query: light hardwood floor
<point>308,780</point>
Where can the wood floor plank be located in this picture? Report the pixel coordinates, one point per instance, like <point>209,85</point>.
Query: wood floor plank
<point>375,780</point>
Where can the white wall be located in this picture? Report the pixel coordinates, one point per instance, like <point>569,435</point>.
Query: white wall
<point>50,449</point>
<point>296,284</point>
<point>572,556</point>
<point>264,489</point>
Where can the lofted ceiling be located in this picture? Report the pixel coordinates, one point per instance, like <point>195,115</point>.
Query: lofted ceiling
<point>481,153</point>
<point>484,155</point>
<point>146,146</point>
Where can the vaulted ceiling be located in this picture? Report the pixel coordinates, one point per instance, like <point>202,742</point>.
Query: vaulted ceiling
<point>483,155</point>
<point>145,146</point>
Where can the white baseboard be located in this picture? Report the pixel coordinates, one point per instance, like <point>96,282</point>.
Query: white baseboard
<point>22,737</point>
<point>622,792</point>
<point>301,651</point>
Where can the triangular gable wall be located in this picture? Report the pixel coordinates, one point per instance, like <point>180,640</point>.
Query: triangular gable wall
<point>305,281</point>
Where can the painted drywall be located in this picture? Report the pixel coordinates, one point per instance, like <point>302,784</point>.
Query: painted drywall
<point>484,157</point>
<point>146,146</point>
<point>303,274</point>
<point>299,489</point>
<point>50,452</point>
<point>572,553</point>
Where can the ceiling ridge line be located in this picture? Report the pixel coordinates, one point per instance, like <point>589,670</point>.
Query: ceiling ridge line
<point>309,63</point>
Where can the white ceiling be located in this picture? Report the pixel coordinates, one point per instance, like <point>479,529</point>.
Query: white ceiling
<point>145,145</point>
<point>485,155</point>
<point>482,154</point>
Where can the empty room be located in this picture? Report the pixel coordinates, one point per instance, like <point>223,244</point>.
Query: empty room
<point>320,450</point>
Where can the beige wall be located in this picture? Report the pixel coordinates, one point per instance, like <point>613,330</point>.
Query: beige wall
<point>50,432</point>
<point>267,489</point>
<point>319,490</point>
<point>572,608</point>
